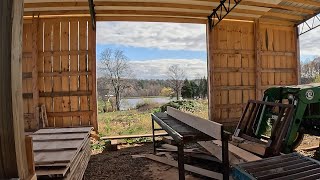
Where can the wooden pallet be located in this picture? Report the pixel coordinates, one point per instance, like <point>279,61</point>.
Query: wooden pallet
<point>290,166</point>
<point>61,153</point>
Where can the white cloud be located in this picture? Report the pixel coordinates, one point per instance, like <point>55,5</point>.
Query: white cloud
<point>169,36</point>
<point>310,43</point>
<point>157,69</point>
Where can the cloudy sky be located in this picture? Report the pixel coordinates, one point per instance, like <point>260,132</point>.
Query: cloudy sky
<point>310,44</point>
<point>153,47</point>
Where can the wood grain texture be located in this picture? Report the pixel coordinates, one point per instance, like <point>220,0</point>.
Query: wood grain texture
<point>210,128</point>
<point>62,152</point>
<point>13,161</point>
<point>245,58</point>
<point>64,71</point>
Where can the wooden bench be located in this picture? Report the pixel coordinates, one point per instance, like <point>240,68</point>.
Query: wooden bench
<point>185,128</point>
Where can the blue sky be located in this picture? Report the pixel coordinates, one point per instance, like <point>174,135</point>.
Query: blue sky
<point>151,46</point>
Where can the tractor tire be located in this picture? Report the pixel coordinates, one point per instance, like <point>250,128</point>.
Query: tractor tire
<point>298,140</point>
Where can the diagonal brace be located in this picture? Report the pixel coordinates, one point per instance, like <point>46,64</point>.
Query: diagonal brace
<point>220,12</point>
<point>309,25</point>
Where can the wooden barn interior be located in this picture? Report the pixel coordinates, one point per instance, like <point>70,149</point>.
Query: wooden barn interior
<point>48,57</point>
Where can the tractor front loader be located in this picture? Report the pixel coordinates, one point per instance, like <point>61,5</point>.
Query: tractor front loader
<point>278,122</point>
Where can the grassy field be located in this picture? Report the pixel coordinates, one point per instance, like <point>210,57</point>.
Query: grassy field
<point>137,121</point>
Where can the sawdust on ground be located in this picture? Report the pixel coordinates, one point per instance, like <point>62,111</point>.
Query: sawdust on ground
<point>120,165</point>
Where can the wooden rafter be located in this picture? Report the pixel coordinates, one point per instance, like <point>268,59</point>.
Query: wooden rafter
<point>277,6</point>
<point>306,2</point>
<point>196,9</point>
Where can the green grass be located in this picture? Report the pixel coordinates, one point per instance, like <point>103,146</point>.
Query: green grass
<point>136,121</point>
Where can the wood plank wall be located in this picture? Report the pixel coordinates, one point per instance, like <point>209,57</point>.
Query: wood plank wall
<point>59,71</point>
<point>244,59</point>
<point>13,161</point>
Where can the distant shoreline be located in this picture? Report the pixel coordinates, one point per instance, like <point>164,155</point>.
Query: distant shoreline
<point>140,97</point>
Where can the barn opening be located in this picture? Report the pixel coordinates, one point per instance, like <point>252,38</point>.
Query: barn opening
<point>266,55</point>
<point>154,62</point>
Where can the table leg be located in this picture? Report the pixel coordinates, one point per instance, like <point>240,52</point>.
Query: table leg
<point>181,162</point>
<point>153,138</point>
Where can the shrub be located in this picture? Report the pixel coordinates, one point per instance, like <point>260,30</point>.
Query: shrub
<point>185,105</point>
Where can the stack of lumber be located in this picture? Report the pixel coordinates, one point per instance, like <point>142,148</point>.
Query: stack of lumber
<point>61,153</point>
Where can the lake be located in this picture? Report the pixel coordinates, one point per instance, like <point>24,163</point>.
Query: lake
<point>131,103</point>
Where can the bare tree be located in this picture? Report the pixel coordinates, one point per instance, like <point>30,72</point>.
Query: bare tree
<point>116,68</point>
<point>176,77</point>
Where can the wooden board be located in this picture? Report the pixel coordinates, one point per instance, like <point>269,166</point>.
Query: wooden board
<point>216,151</point>
<point>47,157</point>
<point>210,128</point>
<point>57,152</point>
<point>53,137</point>
<point>64,130</point>
<point>57,145</point>
<point>187,167</point>
<point>243,154</point>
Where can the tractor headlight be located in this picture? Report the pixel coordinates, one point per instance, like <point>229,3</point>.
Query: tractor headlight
<point>290,97</point>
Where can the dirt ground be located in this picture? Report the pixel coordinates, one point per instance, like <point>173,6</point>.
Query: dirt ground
<point>307,143</point>
<point>119,165</point>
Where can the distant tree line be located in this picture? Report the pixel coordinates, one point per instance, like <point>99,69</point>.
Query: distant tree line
<point>118,81</point>
<point>137,88</point>
<point>194,88</point>
<point>310,71</point>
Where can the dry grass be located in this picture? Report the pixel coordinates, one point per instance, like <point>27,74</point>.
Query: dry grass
<point>135,121</point>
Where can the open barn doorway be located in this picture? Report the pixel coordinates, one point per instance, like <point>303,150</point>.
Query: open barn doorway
<point>142,67</point>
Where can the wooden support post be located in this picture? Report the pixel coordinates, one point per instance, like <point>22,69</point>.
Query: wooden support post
<point>13,161</point>
<point>297,48</point>
<point>35,89</point>
<point>181,162</point>
<point>94,79</point>
<point>257,42</point>
<point>225,155</point>
<point>210,66</point>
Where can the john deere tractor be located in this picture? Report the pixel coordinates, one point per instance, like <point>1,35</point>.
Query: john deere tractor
<point>306,115</point>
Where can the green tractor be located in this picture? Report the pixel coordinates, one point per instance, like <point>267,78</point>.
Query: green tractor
<point>306,114</point>
<point>278,122</point>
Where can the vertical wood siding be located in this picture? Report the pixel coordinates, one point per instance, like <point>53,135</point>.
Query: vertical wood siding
<point>64,72</point>
<point>244,59</point>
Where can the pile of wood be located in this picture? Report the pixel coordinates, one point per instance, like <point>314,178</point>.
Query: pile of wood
<point>61,153</point>
<point>205,150</point>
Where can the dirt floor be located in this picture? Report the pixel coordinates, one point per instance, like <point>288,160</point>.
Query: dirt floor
<point>309,145</point>
<point>120,165</point>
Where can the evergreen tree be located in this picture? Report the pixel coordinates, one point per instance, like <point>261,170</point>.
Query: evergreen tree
<point>186,90</point>
<point>203,88</point>
<point>195,89</point>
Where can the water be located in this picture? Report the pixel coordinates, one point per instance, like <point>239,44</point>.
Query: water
<point>131,103</point>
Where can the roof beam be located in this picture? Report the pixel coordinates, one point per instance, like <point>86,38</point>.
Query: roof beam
<point>165,7</point>
<point>307,2</point>
<point>276,6</point>
<point>92,14</point>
